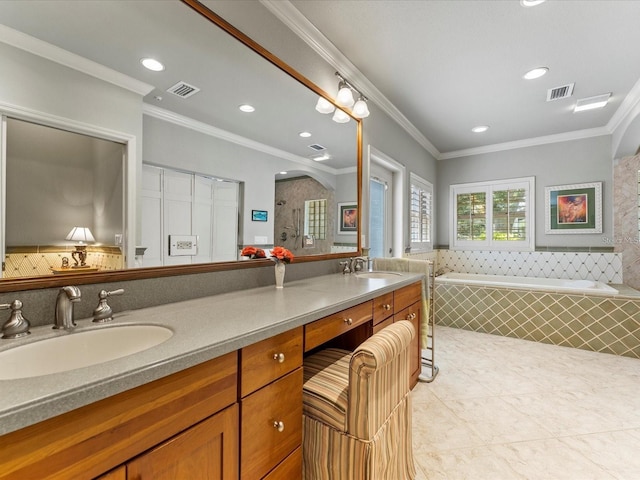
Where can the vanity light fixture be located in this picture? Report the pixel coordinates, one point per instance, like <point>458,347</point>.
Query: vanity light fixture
<point>535,73</point>
<point>82,235</point>
<point>480,129</point>
<point>344,98</point>
<point>590,103</point>
<point>152,64</point>
<point>247,108</point>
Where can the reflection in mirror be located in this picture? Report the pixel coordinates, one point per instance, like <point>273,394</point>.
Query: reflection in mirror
<point>203,135</point>
<point>57,180</point>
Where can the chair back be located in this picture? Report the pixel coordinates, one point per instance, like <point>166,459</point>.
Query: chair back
<point>378,378</point>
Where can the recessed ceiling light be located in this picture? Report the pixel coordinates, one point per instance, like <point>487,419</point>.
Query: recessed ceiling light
<point>535,73</point>
<point>320,158</point>
<point>283,173</point>
<point>305,134</point>
<point>599,101</point>
<point>531,3</point>
<point>480,128</point>
<point>247,108</point>
<point>152,64</point>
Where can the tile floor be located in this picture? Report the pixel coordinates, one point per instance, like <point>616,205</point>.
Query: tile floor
<point>503,409</point>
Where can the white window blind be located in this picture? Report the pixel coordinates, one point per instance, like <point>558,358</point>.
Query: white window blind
<point>421,214</point>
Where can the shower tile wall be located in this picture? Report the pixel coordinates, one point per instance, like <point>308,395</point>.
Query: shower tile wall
<point>602,267</point>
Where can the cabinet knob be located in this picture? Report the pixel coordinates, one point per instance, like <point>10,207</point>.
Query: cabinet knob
<point>386,306</point>
<point>279,357</point>
<point>278,425</point>
<point>348,321</point>
<point>411,316</point>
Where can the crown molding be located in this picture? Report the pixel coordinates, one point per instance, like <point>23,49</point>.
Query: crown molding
<point>205,128</point>
<point>527,142</point>
<point>58,55</point>
<point>301,26</point>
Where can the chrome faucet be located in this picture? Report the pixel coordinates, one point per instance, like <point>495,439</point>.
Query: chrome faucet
<point>103,312</point>
<point>353,265</point>
<point>17,326</point>
<point>64,307</point>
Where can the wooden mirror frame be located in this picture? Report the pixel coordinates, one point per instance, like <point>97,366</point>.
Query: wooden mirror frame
<point>33,283</point>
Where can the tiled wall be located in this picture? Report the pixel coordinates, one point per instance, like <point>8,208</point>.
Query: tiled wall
<point>597,323</point>
<point>37,261</point>
<point>597,266</point>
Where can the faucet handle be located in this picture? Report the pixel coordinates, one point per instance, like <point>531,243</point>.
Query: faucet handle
<point>103,312</point>
<point>17,326</point>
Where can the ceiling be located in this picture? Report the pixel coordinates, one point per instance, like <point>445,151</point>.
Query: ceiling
<point>445,66</point>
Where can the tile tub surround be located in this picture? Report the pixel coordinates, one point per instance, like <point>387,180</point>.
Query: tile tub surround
<point>597,266</point>
<point>625,217</point>
<point>609,324</point>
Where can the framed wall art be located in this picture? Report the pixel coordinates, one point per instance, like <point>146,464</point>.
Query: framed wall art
<point>259,215</point>
<point>348,217</point>
<point>573,208</point>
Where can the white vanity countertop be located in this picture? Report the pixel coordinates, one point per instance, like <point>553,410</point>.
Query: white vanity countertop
<point>203,329</point>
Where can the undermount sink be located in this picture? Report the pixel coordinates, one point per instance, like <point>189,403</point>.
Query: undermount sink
<point>79,349</point>
<point>378,274</point>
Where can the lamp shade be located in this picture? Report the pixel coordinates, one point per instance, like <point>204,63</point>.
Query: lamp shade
<point>340,116</point>
<point>324,105</point>
<point>345,95</point>
<point>360,109</point>
<point>80,234</point>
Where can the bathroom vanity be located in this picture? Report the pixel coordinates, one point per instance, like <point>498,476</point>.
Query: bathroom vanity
<point>223,395</point>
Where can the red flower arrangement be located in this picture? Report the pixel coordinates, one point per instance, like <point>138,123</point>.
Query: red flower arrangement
<point>281,254</point>
<point>253,252</point>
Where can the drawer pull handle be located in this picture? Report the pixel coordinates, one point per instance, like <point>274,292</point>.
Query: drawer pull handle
<point>386,306</point>
<point>279,357</point>
<point>279,426</point>
<point>411,316</point>
<point>348,321</point>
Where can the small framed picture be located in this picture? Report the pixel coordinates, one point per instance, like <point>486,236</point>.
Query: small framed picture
<point>348,217</point>
<point>259,215</point>
<point>573,208</point>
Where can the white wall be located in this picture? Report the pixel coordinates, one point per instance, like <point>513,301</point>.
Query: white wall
<point>577,161</point>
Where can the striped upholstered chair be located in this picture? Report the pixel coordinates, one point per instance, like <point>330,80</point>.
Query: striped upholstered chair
<point>357,410</point>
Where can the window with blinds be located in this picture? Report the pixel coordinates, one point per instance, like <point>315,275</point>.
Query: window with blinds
<point>496,215</point>
<point>421,214</point>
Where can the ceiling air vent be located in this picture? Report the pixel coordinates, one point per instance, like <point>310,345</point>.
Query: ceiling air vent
<point>317,147</point>
<point>560,92</point>
<point>183,89</point>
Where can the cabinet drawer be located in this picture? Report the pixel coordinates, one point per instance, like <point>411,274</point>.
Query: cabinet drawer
<point>265,441</point>
<point>382,307</point>
<point>379,326</point>
<point>406,296</point>
<point>320,331</point>
<point>263,362</point>
<point>290,468</point>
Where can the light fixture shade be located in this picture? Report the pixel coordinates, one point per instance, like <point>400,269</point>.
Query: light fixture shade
<point>340,116</point>
<point>599,101</point>
<point>360,109</point>
<point>80,234</point>
<point>345,95</point>
<point>324,106</point>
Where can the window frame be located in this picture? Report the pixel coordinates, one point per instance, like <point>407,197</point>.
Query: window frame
<point>424,185</point>
<point>488,187</point>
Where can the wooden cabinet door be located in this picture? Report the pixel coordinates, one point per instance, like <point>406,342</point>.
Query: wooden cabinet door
<point>208,450</point>
<point>119,473</point>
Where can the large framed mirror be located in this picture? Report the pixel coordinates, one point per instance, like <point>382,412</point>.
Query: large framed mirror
<point>188,166</point>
